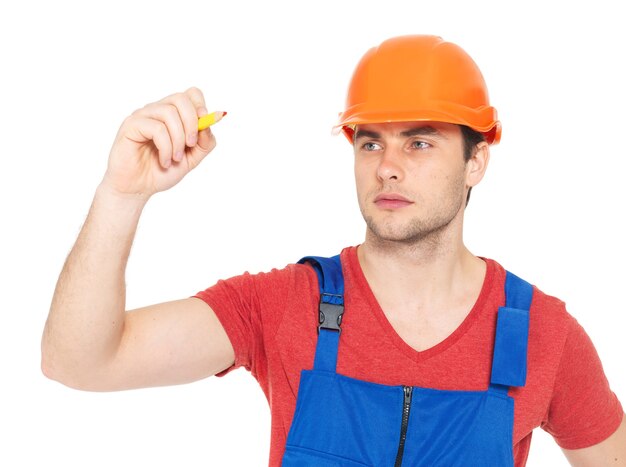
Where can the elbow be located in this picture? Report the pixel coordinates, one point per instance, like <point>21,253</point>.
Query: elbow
<point>71,380</point>
<point>52,370</point>
<point>50,364</point>
<point>66,373</point>
<point>48,367</point>
<point>51,367</point>
<point>69,366</point>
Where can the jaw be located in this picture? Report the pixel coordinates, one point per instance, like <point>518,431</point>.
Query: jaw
<point>441,230</point>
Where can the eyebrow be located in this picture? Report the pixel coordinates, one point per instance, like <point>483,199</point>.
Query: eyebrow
<point>417,131</point>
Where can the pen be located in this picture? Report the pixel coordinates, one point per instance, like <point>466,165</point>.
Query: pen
<point>206,121</point>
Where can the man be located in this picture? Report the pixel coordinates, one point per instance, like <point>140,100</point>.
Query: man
<point>438,358</point>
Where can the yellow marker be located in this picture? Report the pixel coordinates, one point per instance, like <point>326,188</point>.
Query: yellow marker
<point>206,121</point>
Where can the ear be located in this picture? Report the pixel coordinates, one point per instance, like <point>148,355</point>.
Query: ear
<point>477,165</point>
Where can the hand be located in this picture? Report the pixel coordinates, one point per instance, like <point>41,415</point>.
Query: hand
<point>158,145</point>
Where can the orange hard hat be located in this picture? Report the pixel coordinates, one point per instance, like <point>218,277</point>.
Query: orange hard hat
<point>419,78</point>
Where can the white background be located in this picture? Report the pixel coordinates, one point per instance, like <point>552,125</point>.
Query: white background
<point>279,186</point>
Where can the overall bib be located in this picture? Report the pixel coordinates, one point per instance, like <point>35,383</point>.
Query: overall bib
<point>342,421</point>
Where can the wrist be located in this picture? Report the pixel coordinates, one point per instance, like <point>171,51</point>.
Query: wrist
<point>116,199</point>
<point>122,209</point>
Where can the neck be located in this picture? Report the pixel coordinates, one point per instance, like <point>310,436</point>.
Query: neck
<point>427,271</point>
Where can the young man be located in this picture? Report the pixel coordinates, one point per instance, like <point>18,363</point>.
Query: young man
<point>405,350</point>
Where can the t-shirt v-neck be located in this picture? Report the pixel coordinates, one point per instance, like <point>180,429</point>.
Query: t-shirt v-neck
<point>355,273</point>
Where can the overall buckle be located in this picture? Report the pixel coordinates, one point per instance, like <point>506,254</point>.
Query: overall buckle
<point>330,314</point>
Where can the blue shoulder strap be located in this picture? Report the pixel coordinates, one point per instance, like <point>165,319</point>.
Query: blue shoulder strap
<point>329,276</point>
<point>330,280</point>
<point>511,343</point>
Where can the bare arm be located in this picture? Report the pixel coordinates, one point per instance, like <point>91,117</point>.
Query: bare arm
<point>610,452</point>
<point>90,341</point>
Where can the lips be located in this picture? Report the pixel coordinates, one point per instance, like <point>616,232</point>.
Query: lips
<point>391,201</point>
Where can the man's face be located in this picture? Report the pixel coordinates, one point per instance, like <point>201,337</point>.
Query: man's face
<point>411,178</point>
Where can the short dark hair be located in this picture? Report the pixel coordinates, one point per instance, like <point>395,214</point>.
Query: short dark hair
<point>471,138</point>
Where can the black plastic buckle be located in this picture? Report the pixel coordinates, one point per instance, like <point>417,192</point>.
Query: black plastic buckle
<point>330,316</point>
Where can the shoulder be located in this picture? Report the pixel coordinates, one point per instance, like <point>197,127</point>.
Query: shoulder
<point>275,280</point>
<point>550,322</point>
<point>544,306</point>
<point>291,280</point>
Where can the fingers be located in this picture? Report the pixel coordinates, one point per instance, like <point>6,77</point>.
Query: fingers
<point>172,123</point>
<point>168,117</point>
<point>147,129</point>
<point>190,105</point>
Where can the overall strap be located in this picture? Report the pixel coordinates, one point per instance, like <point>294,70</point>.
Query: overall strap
<point>511,343</point>
<point>330,280</point>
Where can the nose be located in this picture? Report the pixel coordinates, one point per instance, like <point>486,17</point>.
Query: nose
<point>390,165</point>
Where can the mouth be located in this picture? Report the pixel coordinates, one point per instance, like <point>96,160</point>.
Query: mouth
<point>391,201</point>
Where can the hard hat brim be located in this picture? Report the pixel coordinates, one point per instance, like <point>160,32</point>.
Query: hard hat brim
<point>483,121</point>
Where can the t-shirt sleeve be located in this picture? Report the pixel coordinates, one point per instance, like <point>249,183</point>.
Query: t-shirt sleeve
<point>250,307</point>
<point>583,411</point>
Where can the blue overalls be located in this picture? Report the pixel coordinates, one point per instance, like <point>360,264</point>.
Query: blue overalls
<point>342,421</point>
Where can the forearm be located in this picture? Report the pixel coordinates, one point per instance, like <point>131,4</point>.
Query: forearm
<point>86,318</point>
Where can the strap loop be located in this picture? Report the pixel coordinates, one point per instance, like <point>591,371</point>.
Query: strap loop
<point>508,366</point>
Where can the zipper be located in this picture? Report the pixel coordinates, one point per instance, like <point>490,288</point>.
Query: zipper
<point>406,410</point>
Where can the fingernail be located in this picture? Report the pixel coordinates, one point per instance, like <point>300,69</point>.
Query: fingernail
<point>193,139</point>
<point>178,156</point>
<point>202,111</point>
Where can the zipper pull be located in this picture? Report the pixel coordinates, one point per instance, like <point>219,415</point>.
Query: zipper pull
<point>408,393</point>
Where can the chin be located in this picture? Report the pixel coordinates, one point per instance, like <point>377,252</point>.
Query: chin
<point>408,232</point>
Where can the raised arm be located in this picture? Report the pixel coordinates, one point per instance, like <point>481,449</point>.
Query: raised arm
<point>90,342</point>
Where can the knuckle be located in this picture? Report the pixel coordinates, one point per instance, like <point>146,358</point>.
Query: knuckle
<point>171,112</point>
<point>179,98</point>
<point>193,90</point>
<point>195,94</point>
<point>161,129</point>
<point>128,124</point>
<point>128,121</point>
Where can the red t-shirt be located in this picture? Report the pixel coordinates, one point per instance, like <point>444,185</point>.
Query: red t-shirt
<point>271,320</point>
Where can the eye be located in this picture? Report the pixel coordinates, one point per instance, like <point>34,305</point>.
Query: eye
<point>370,146</point>
<point>420,144</point>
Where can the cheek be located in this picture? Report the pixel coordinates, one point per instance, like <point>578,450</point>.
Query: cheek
<point>455,182</point>
<point>361,177</point>
<point>426,177</point>
<point>436,183</point>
